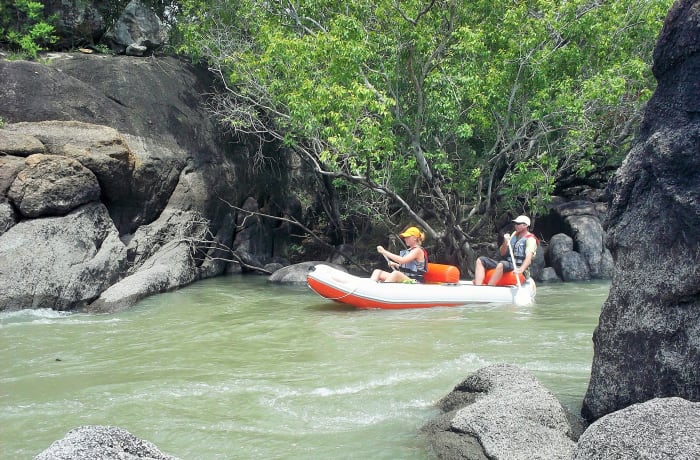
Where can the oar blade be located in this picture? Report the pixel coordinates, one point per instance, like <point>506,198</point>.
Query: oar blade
<point>522,297</point>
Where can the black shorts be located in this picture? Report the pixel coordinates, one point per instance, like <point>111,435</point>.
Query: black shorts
<point>490,263</point>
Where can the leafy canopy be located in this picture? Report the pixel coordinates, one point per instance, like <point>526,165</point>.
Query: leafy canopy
<point>453,112</point>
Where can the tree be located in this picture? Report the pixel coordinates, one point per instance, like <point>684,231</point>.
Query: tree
<point>452,113</point>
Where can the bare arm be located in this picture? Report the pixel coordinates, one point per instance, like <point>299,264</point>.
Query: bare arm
<point>412,255</point>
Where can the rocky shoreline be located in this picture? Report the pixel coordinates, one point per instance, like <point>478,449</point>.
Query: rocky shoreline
<point>112,191</point>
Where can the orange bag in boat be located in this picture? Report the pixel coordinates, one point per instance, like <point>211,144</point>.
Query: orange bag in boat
<point>508,279</point>
<point>441,273</point>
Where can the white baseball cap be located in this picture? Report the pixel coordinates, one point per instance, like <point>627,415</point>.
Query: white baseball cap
<point>522,220</point>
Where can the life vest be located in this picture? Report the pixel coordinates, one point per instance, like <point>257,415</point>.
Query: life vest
<point>518,245</point>
<point>414,269</point>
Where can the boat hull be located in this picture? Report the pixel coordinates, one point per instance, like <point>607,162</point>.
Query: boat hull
<point>333,284</point>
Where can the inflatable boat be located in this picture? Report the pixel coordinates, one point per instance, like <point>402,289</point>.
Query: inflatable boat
<point>441,289</point>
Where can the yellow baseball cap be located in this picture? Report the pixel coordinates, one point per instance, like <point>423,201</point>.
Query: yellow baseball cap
<point>412,231</point>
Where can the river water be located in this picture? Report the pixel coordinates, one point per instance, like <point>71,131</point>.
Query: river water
<point>238,368</point>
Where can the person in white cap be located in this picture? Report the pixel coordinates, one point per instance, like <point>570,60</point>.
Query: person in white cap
<point>524,246</point>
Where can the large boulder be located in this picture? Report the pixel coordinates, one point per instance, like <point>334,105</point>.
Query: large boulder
<point>137,32</point>
<point>570,265</point>
<point>78,23</point>
<point>61,262</point>
<point>647,343</point>
<point>502,411</point>
<point>664,428</point>
<point>103,443</point>
<point>52,186</point>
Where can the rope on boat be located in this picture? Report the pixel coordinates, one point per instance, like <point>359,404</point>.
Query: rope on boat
<point>343,296</point>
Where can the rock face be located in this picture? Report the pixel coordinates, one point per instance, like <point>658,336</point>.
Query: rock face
<point>114,182</point>
<point>647,343</point>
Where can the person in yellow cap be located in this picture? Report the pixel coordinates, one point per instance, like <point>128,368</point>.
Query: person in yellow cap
<point>524,246</point>
<point>409,264</point>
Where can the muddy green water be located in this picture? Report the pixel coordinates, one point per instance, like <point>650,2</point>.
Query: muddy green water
<point>237,368</point>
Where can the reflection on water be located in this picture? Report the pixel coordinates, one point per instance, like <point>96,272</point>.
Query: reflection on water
<point>238,368</point>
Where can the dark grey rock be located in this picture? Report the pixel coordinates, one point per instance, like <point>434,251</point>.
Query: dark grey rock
<point>549,275</point>
<point>538,264</point>
<point>647,343</point>
<point>568,264</point>
<point>79,23</point>
<point>589,238</point>
<point>138,31</point>
<point>166,175</point>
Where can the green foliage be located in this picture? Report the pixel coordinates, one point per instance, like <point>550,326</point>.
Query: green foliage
<point>24,27</point>
<point>464,110</point>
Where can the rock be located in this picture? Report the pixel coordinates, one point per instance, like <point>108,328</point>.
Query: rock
<point>538,264</point>
<point>136,50</point>
<point>662,428</point>
<point>19,144</point>
<point>581,221</point>
<point>165,173</point>
<point>101,149</point>
<point>102,443</point>
<point>589,235</point>
<point>77,22</point>
<point>162,259</point>
<point>137,32</point>
<point>501,411</point>
<point>10,166</point>
<point>60,262</point>
<point>569,264</point>
<point>549,275</point>
<point>576,208</point>
<point>647,343</point>
<point>252,237</point>
<point>51,185</point>
<point>7,216</point>
<point>296,273</point>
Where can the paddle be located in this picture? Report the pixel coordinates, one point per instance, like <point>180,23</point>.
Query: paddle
<point>389,263</point>
<point>522,297</point>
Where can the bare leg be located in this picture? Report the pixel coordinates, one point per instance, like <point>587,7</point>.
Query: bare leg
<point>479,273</point>
<point>496,275</point>
<point>395,277</point>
